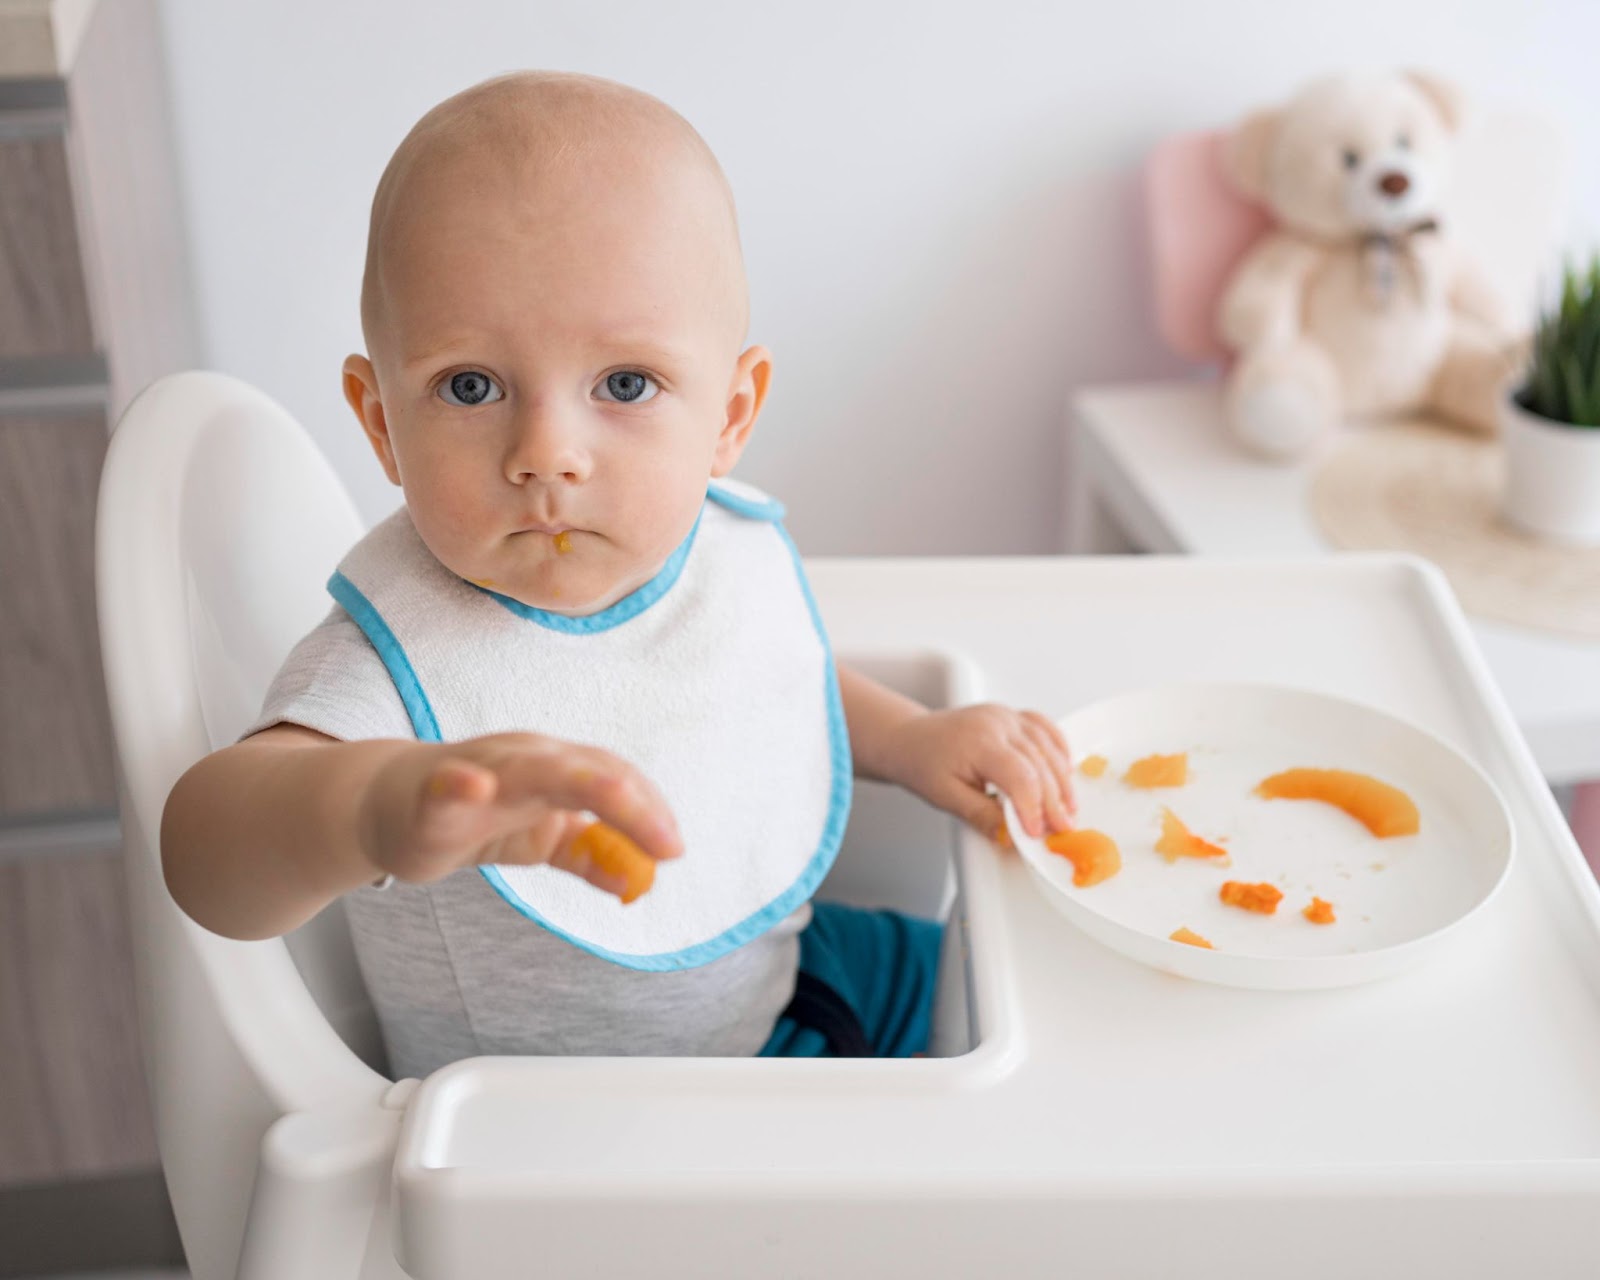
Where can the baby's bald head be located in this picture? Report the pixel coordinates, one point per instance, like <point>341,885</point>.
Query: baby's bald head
<point>547,147</point>
<point>554,304</point>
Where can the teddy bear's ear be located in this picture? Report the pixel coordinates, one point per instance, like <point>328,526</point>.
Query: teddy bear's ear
<point>1244,153</point>
<point>1446,98</point>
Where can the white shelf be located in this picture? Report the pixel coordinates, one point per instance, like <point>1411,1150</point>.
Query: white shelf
<point>1154,464</point>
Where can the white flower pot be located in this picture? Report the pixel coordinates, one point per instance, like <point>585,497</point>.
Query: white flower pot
<point>1552,487</point>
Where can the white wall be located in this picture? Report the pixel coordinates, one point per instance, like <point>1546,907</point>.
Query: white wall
<point>938,200</point>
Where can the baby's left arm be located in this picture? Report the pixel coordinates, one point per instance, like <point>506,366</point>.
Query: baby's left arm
<point>947,757</point>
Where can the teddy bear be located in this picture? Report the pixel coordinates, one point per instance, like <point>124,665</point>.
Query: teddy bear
<point>1356,303</point>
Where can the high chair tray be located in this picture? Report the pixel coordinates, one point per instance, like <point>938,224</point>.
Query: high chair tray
<point>1112,1119</point>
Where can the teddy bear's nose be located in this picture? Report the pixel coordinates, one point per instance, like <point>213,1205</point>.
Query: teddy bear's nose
<point>1394,184</point>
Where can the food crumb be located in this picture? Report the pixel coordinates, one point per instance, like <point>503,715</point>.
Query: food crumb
<point>1177,841</point>
<point>1319,912</point>
<point>1093,767</point>
<point>1158,771</point>
<point>1260,898</point>
<point>1191,938</point>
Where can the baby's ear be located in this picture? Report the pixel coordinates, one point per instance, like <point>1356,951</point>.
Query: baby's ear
<point>1244,153</point>
<point>361,392</point>
<point>1446,98</point>
<point>746,394</point>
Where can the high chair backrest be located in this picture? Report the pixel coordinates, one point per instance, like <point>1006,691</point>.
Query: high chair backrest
<point>218,523</point>
<point>1507,208</point>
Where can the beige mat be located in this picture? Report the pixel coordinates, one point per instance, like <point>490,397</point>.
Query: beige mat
<point>1415,486</point>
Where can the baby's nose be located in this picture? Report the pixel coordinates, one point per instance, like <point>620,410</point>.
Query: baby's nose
<point>546,448</point>
<point>1394,184</point>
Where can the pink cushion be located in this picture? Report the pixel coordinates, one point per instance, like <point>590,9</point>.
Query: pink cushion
<point>1200,227</point>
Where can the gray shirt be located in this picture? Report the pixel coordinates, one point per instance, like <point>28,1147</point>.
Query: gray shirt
<point>454,971</point>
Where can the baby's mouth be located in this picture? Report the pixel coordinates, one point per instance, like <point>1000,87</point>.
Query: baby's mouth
<point>560,535</point>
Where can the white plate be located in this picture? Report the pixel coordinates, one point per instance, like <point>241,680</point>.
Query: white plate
<point>1396,899</point>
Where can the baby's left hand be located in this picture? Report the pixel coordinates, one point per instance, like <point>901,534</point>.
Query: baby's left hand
<point>947,757</point>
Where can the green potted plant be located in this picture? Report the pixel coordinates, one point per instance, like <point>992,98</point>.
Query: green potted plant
<point>1552,424</point>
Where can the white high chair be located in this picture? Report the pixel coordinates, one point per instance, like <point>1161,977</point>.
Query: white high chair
<point>219,522</point>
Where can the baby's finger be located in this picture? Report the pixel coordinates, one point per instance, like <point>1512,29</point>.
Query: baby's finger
<point>587,778</point>
<point>455,805</point>
<point>1015,773</point>
<point>1051,730</point>
<point>980,810</point>
<point>534,838</point>
<point>1058,758</point>
<point>575,843</point>
<point>1057,815</point>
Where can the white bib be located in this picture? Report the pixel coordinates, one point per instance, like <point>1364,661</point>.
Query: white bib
<point>715,679</point>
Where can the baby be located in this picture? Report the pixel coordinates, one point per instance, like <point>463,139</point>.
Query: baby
<point>574,617</point>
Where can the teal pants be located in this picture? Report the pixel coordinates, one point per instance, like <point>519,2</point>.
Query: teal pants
<point>880,966</point>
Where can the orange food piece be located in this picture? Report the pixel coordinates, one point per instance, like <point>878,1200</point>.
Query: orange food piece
<point>1094,855</point>
<point>1093,767</point>
<point>1260,898</point>
<point>1384,810</point>
<point>1319,912</point>
<point>563,543</point>
<point>1002,836</point>
<point>1191,937</point>
<point>1177,841</point>
<point>1158,771</point>
<point>618,856</point>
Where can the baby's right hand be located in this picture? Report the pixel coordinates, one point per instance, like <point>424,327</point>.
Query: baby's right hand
<point>508,798</point>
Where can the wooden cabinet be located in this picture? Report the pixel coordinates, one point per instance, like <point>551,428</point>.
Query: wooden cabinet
<point>95,303</point>
<point>55,736</point>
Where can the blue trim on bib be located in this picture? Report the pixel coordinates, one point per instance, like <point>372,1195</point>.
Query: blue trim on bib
<point>770,510</point>
<point>625,609</point>
<point>426,726</point>
<point>371,622</point>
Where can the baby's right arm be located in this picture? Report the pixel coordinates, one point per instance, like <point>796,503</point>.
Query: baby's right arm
<point>260,836</point>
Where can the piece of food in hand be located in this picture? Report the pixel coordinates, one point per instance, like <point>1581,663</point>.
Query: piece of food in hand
<point>1002,836</point>
<point>1318,912</point>
<point>1190,937</point>
<point>1093,767</point>
<point>1158,771</point>
<point>1260,898</point>
<point>1384,810</point>
<point>1177,841</point>
<point>1094,855</point>
<point>618,856</point>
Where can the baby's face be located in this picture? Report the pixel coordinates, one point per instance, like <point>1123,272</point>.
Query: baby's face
<point>559,378</point>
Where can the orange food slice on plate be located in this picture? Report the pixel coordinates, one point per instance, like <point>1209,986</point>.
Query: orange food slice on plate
<point>1177,841</point>
<point>1260,898</point>
<point>1093,854</point>
<point>1190,937</point>
<point>1384,810</point>
<point>1093,767</point>
<point>1158,771</point>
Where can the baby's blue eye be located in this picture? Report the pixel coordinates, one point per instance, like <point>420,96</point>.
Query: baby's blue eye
<point>465,390</point>
<point>628,387</point>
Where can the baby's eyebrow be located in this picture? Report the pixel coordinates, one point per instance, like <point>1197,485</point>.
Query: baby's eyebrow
<point>438,353</point>
<point>616,344</point>
<point>647,348</point>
